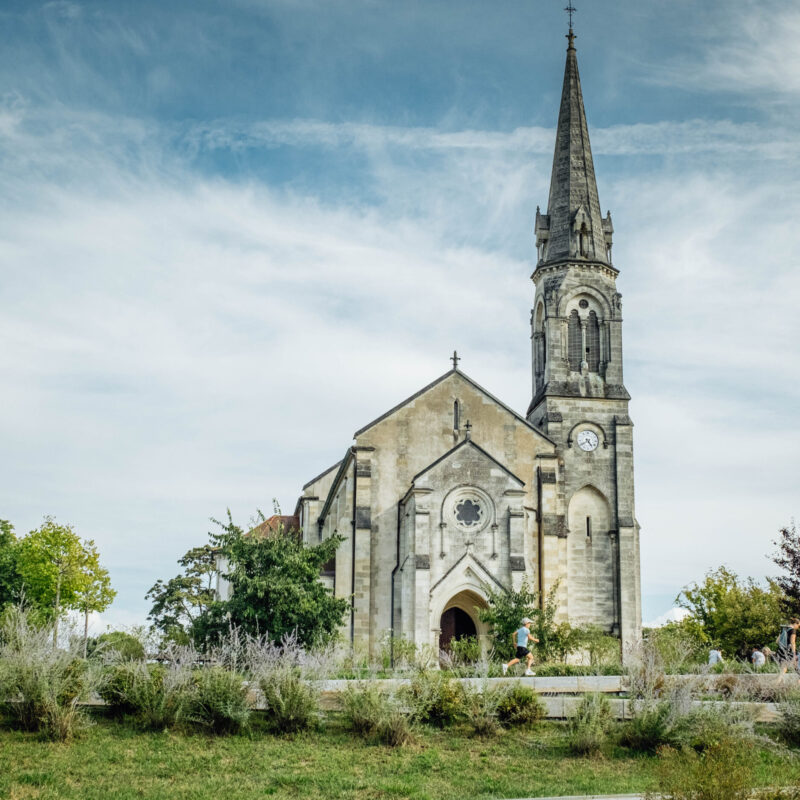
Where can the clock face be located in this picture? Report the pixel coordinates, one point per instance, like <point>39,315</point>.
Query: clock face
<point>587,440</point>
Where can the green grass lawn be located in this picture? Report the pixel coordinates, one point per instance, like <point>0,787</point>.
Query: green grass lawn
<point>115,761</point>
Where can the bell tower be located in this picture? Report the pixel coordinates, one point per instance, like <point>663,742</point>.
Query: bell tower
<point>579,398</point>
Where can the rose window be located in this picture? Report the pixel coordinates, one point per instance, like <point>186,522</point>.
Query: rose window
<point>468,513</point>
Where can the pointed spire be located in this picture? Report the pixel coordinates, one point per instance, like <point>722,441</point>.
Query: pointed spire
<point>573,227</point>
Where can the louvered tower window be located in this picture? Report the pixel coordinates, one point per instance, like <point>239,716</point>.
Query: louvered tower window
<point>574,343</point>
<point>593,342</point>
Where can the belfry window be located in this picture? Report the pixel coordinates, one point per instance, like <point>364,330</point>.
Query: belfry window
<point>592,342</point>
<point>574,342</point>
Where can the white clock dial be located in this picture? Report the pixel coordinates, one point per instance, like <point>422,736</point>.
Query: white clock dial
<point>587,440</point>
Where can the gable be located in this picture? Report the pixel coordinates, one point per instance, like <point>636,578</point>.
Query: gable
<point>454,376</point>
<point>467,447</point>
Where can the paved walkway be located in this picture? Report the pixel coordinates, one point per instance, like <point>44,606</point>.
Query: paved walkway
<point>589,797</point>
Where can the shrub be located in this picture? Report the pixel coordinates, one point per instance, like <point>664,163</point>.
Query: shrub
<point>789,721</point>
<point>215,701</point>
<point>41,685</point>
<point>588,729</point>
<point>371,712</point>
<point>480,709</point>
<point>519,705</point>
<point>124,646</point>
<point>152,694</point>
<point>292,704</point>
<point>704,727</point>
<point>434,699</point>
<point>395,728</point>
<point>363,706</point>
<point>650,727</point>
<point>723,771</point>
<point>466,650</point>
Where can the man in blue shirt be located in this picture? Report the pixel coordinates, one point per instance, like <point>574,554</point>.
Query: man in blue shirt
<point>520,638</point>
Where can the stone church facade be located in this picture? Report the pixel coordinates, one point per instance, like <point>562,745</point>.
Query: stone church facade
<point>452,493</point>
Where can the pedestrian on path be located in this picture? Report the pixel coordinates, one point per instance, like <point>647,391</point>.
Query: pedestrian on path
<point>521,637</point>
<point>787,645</point>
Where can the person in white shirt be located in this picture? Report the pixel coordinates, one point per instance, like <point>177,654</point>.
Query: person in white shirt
<point>715,656</point>
<point>758,658</point>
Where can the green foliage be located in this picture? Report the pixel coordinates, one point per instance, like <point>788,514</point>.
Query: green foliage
<point>519,705</point>
<point>372,713</point>
<point>734,614</point>
<point>292,704</point>
<point>601,647</point>
<point>481,709</point>
<point>50,563</point>
<point>678,644</point>
<point>723,771</point>
<point>465,651</point>
<point>434,699</point>
<point>151,694</point>
<point>118,644</point>
<point>505,613</point>
<point>40,685</point>
<point>10,580</point>
<point>178,602</point>
<point>649,728</point>
<point>94,592</point>
<point>789,722</point>
<point>215,701</point>
<point>589,728</point>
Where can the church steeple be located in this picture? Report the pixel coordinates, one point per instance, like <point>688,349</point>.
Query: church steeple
<point>573,227</point>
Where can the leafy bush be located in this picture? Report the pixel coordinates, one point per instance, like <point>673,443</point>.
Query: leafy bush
<point>704,727</point>
<point>434,699</point>
<point>480,709</point>
<point>292,704</point>
<point>650,727</point>
<point>466,650</point>
<point>395,728</point>
<point>557,669</point>
<point>216,701</point>
<point>589,728</point>
<point>124,646</point>
<point>363,706</point>
<point>41,685</point>
<point>789,722</point>
<point>373,713</point>
<point>152,694</point>
<point>519,705</point>
<point>723,771</point>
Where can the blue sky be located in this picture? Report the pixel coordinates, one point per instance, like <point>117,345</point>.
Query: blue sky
<point>231,233</point>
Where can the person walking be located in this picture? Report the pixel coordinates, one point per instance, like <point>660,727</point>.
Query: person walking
<point>715,656</point>
<point>758,658</point>
<point>521,637</point>
<point>787,645</point>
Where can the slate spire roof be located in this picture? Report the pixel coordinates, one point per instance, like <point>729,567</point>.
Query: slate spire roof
<point>573,227</point>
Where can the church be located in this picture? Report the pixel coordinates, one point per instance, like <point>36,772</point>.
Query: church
<point>452,493</point>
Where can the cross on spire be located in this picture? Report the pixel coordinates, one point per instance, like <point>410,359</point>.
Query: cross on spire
<point>570,9</point>
<point>455,359</point>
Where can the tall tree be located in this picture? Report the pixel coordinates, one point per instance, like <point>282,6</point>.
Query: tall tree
<point>734,614</point>
<point>275,586</point>
<point>95,592</point>
<point>788,559</point>
<point>10,583</point>
<point>50,563</point>
<point>179,601</point>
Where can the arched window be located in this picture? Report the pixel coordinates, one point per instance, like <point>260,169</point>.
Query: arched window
<point>456,411</point>
<point>584,240</point>
<point>574,343</point>
<point>593,342</point>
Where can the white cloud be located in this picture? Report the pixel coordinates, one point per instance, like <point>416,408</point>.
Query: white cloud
<point>177,342</point>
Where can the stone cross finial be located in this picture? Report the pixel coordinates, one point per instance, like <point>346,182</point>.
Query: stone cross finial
<point>468,428</point>
<point>455,359</point>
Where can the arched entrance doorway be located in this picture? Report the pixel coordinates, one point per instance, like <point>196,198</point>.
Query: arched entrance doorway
<point>455,624</point>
